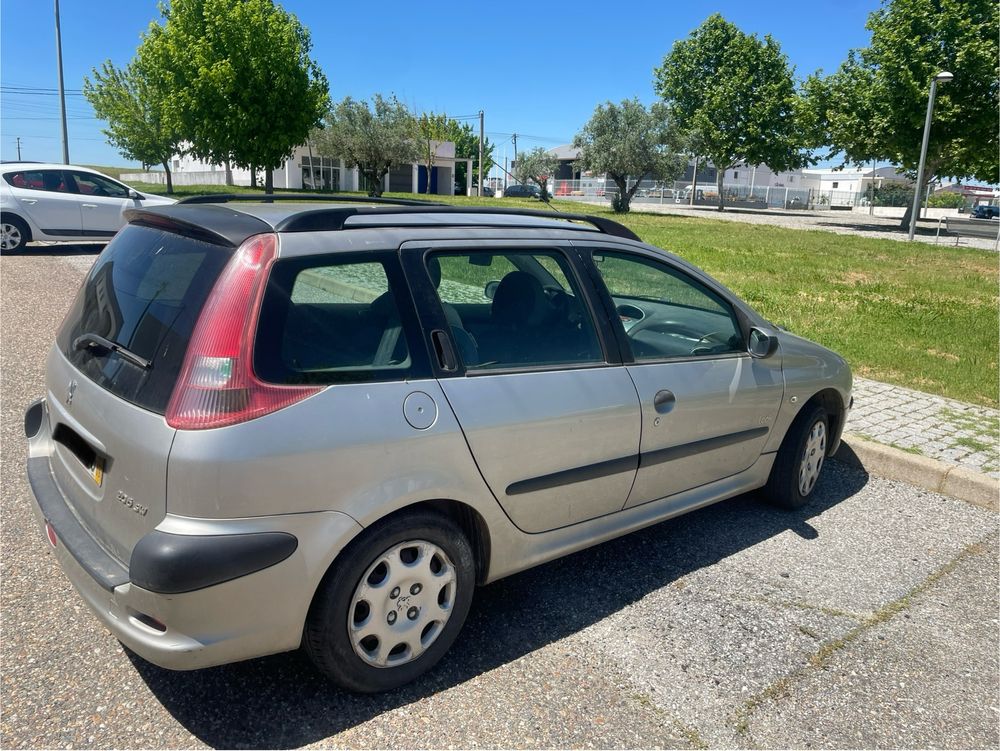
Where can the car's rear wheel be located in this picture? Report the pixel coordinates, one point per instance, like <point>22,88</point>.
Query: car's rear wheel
<point>14,234</point>
<point>800,459</point>
<point>393,603</point>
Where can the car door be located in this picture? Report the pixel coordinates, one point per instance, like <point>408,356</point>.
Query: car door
<point>707,405</point>
<point>46,198</point>
<point>102,202</point>
<point>548,410</point>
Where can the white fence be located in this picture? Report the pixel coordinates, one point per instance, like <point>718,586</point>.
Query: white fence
<point>184,178</point>
<point>707,194</point>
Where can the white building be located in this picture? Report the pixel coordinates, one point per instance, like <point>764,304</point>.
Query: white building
<point>306,169</point>
<point>762,176</point>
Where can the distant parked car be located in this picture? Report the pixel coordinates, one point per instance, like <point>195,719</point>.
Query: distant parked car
<point>985,212</point>
<point>63,202</point>
<point>522,191</point>
<point>461,190</point>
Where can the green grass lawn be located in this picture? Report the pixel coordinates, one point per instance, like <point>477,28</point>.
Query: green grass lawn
<point>915,314</point>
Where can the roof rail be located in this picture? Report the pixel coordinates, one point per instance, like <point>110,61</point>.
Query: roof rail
<point>335,217</point>
<point>305,197</point>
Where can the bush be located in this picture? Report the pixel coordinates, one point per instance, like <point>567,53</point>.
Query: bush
<point>946,200</point>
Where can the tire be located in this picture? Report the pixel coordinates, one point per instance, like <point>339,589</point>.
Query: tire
<point>386,581</point>
<point>14,234</point>
<point>800,460</point>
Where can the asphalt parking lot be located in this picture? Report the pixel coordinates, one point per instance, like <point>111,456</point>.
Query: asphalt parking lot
<point>869,619</point>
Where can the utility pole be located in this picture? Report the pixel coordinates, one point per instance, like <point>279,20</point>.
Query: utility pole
<point>479,182</point>
<point>694,181</point>
<point>62,92</point>
<point>515,151</point>
<point>19,148</point>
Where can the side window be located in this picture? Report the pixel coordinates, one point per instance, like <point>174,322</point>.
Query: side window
<point>95,185</point>
<point>331,322</point>
<point>514,309</point>
<point>664,312</point>
<point>49,180</point>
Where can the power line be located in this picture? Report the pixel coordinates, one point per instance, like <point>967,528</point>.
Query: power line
<point>68,117</point>
<point>5,90</point>
<point>21,87</point>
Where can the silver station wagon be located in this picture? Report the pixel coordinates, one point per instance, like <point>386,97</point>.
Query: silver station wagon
<point>271,425</point>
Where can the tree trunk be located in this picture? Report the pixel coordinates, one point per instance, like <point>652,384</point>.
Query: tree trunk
<point>375,183</point>
<point>229,173</point>
<point>268,180</point>
<point>170,182</point>
<point>624,197</point>
<point>253,176</point>
<point>720,175</point>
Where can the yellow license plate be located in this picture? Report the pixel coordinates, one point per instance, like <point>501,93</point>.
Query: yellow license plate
<point>96,471</point>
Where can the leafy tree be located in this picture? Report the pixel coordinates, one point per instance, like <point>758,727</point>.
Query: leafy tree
<point>873,107</point>
<point>536,166</point>
<point>627,140</point>
<point>736,92</point>
<point>433,129</point>
<point>132,100</point>
<point>466,140</point>
<point>373,139</point>
<point>243,88</point>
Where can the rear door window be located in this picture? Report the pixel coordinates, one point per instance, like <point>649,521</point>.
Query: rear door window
<point>515,310</point>
<point>144,293</point>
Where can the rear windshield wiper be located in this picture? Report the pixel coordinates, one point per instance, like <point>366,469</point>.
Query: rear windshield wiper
<point>98,345</point>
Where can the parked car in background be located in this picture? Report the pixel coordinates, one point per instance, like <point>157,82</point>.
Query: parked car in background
<point>984,211</point>
<point>522,191</point>
<point>63,203</point>
<point>322,424</point>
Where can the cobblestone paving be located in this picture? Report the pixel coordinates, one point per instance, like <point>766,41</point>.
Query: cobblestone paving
<point>945,429</point>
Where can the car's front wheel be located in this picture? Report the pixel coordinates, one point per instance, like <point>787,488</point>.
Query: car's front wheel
<point>800,459</point>
<point>14,234</point>
<point>393,602</point>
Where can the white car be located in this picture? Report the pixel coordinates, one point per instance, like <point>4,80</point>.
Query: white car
<point>61,202</point>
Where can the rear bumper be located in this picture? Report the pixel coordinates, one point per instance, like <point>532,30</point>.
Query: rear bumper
<point>227,589</point>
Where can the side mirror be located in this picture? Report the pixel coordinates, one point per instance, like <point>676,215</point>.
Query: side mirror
<point>490,289</point>
<point>135,195</point>
<point>761,344</point>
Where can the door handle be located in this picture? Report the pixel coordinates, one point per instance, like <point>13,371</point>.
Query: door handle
<point>664,401</point>
<point>89,205</point>
<point>444,351</point>
<point>31,201</point>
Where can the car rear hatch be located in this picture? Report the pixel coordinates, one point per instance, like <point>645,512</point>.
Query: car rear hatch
<point>111,375</point>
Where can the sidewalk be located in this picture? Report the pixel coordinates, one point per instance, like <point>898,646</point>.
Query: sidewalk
<point>838,222</point>
<point>950,431</point>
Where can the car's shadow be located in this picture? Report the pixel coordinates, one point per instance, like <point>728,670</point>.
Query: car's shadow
<point>282,702</point>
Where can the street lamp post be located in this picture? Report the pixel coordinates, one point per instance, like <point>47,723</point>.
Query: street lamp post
<point>944,76</point>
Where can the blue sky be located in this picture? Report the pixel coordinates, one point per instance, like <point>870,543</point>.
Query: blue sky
<point>537,70</point>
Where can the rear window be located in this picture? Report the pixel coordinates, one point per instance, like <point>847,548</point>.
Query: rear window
<point>144,293</point>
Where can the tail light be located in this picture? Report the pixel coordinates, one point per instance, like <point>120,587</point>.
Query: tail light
<point>217,385</point>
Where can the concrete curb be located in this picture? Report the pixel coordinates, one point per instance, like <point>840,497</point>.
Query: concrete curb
<point>947,479</point>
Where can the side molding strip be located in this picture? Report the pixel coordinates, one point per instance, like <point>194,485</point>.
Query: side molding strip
<point>631,463</point>
<point>651,458</point>
<point>577,474</point>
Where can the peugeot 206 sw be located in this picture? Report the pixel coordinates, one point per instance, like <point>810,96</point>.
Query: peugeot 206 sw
<point>278,424</point>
